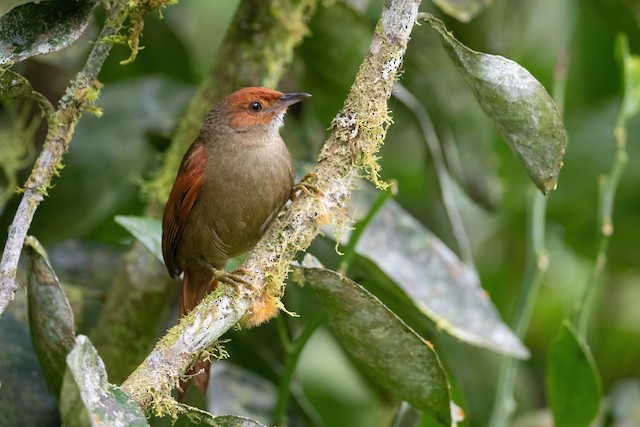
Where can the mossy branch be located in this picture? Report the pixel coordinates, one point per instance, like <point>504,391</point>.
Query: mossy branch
<point>257,50</point>
<point>357,133</point>
<point>79,96</point>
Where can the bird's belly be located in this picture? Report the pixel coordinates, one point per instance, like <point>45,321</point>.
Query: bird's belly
<point>238,204</point>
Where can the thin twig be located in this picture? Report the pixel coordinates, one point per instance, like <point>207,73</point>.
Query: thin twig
<point>446,183</point>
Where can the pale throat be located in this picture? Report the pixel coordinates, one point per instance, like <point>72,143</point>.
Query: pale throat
<point>274,127</point>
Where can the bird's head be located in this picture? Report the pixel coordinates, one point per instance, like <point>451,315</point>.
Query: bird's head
<point>259,108</point>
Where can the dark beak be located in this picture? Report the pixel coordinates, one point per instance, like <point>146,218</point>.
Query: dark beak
<point>289,99</point>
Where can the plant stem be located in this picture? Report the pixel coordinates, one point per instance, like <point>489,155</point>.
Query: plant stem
<point>360,226</point>
<point>290,367</point>
<point>608,185</point>
<point>504,405</point>
<point>283,333</point>
<point>444,179</point>
<point>607,189</point>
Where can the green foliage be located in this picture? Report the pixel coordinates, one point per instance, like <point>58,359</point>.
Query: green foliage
<point>87,399</point>
<point>50,317</point>
<point>397,245</point>
<point>521,108</point>
<point>572,380</point>
<point>40,28</point>
<point>147,230</point>
<point>376,338</point>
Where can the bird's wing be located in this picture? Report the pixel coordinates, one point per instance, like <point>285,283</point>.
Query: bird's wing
<point>183,195</point>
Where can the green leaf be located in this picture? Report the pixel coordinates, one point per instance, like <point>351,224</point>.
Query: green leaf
<point>430,274</point>
<point>147,230</point>
<point>198,418</point>
<point>42,27</point>
<point>462,10</point>
<point>572,379</point>
<point>50,317</point>
<point>87,399</point>
<point>522,110</point>
<point>393,354</point>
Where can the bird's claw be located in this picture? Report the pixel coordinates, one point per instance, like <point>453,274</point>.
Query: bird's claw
<point>306,187</point>
<point>233,278</point>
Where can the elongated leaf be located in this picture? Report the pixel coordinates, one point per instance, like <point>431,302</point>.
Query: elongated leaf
<point>462,10</point>
<point>198,418</point>
<point>50,317</point>
<point>522,110</point>
<point>572,379</point>
<point>430,274</point>
<point>395,356</point>
<point>42,27</point>
<point>87,399</point>
<point>147,230</point>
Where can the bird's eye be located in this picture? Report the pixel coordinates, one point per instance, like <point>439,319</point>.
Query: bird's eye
<point>255,106</point>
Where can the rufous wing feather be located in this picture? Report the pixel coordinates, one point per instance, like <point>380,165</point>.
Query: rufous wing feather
<point>181,199</point>
<point>198,280</point>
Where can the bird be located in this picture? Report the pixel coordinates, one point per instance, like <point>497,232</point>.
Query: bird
<point>232,182</point>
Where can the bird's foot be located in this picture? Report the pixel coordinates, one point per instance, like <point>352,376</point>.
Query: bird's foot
<point>306,187</point>
<point>235,278</point>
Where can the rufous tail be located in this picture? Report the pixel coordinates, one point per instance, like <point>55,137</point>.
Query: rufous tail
<point>195,286</point>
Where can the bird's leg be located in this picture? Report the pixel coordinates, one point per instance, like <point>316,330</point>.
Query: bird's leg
<point>306,187</point>
<point>231,278</point>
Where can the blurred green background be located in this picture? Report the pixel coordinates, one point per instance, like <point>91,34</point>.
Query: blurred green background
<point>142,102</point>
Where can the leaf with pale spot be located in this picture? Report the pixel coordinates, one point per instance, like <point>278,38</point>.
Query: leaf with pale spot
<point>522,110</point>
<point>42,27</point>
<point>378,339</point>
<point>87,398</point>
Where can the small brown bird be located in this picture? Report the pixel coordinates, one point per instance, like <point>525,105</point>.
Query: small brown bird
<point>232,182</point>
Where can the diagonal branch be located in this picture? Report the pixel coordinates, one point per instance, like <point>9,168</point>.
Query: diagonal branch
<point>256,51</point>
<point>357,133</point>
<point>79,96</point>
